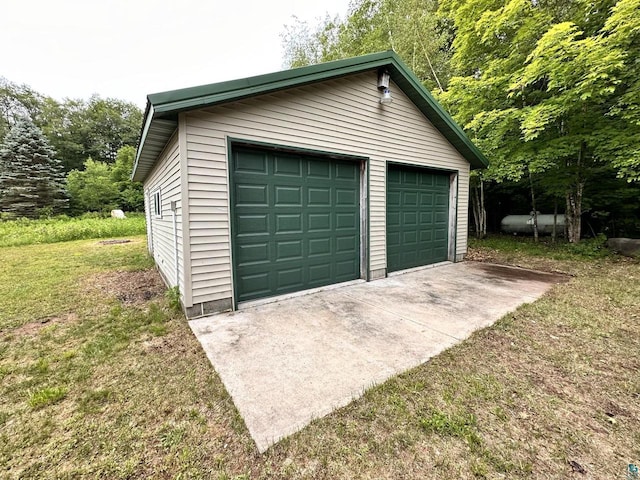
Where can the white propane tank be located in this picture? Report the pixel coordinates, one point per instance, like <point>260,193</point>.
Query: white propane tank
<point>524,224</point>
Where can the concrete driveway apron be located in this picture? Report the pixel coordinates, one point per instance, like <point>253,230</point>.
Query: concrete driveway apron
<point>296,359</point>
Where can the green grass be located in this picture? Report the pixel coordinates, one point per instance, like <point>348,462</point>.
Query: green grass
<point>63,229</point>
<point>47,396</point>
<point>41,281</point>
<point>110,389</point>
<point>590,248</point>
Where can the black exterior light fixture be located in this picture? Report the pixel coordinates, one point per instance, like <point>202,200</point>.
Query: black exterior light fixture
<point>383,86</point>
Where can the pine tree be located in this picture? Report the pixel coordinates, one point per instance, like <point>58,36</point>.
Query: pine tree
<point>31,178</point>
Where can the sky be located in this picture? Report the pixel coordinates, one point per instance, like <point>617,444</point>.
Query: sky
<point>129,48</point>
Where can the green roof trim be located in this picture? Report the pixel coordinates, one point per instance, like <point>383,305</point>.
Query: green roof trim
<point>166,105</point>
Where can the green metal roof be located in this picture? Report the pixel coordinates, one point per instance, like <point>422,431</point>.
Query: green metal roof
<point>160,119</point>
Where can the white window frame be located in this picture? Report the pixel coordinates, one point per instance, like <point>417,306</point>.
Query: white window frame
<point>156,195</point>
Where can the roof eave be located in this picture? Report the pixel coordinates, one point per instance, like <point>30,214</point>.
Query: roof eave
<point>148,117</point>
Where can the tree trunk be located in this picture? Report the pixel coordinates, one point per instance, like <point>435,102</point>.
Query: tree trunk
<point>483,210</point>
<point>554,233</point>
<point>479,212</point>
<point>573,215</point>
<point>535,212</point>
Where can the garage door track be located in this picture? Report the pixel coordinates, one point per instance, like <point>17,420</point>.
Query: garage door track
<point>288,362</point>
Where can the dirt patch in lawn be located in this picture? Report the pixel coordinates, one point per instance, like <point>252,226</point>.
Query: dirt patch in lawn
<point>113,242</point>
<point>130,287</point>
<point>32,329</point>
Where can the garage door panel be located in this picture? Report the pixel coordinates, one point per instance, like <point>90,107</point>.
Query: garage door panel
<point>255,195</point>
<point>417,217</point>
<point>319,169</point>
<point>426,199</point>
<point>440,234</point>
<point>410,199</point>
<point>345,270</point>
<point>287,166</point>
<point>319,246</point>
<point>410,257</point>
<point>346,221</point>
<point>295,228</point>
<point>410,218</point>
<point>289,250</point>
<point>426,236</point>
<point>345,171</point>
<point>393,239</point>
<point>288,223</point>
<point>319,274</point>
<point>320,197</point>
<point>252,224</point>
<point>409,177</point>
<point>426,218</point>
<point>252,253</point>
<point>441,217</point>
<point>393,219</point>
<point>251,163</point>
<point>257,283</point>
<point>427,181</point>
<point>442,181</point>
<point>289,278</point>
<point>410,238</point>
<point>393,176</point>
<point>346,244</point>
<point>289,196</point>
<point>346,197</point>
<point>442,200</point>
<point>319,222</point>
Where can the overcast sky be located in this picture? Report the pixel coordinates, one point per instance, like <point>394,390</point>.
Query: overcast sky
<point>129,48</point>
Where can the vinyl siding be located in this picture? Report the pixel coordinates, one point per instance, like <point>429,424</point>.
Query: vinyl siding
<point>341,116</point>
<point>166,176</point>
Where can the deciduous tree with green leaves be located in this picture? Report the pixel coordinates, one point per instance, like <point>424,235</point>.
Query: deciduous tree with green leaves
<point>92,189</point>
<point>409,27</point>
<point>100,186</point>
<point>545,88</point>
<point>131,193</point>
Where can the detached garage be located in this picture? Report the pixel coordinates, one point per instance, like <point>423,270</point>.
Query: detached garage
<point>269,185</point>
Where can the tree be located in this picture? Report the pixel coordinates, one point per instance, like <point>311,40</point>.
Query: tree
<point>96,129</point>
<point>108,125</point>
<point>101,187</point>
<point>76,129</point>
<point>31,178</point>
<point>409,27</point>
<point>537,86</point>
<point>92,189</point>
<point>131,193</point>
<point>16,102</point>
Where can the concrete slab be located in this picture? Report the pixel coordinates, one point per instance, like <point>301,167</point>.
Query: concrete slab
<point>290,361</point>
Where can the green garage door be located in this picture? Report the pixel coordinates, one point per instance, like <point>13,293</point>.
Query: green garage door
<point>296,222</point>
<point>417,217</point>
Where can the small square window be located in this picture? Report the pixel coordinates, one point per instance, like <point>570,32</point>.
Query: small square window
<point>157,204</point>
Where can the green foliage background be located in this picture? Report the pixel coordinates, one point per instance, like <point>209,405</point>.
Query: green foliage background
<point>549,90</point>
<point>92,142</point>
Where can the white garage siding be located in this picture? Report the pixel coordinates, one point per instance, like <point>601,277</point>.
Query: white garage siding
<point>342,116</point>
<point>166,176</point>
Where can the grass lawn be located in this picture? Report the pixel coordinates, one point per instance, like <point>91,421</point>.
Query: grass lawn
<point>101,379</point>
